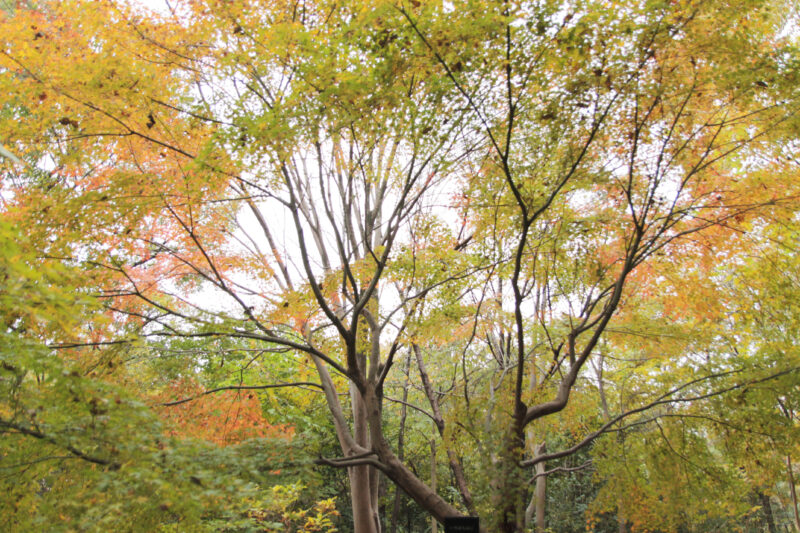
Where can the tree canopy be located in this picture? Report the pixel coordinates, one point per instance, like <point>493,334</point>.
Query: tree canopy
<point>443,249</point>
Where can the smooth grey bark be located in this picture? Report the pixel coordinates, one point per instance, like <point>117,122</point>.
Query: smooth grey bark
<point>536,507</point>
<point>540,491</point>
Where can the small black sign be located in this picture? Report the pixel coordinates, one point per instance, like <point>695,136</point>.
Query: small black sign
<point>462,524</point>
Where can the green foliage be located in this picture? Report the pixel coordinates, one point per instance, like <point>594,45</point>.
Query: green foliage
<point>582,214</point>
<point>80,452</point>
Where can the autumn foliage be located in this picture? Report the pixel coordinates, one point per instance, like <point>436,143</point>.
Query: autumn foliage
<point>478,238</point>
<point>223,418</point>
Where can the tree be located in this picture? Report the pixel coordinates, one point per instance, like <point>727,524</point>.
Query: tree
<point>342,182</point>
<point>81,451</point>
<point>725,458</point>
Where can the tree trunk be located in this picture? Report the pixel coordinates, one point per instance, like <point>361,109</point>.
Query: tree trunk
<point>454,461</point>
<point>363,482</point>
<point>398,494</point>
<point>793,492</point>
<point>434,523</point>
<point>398,472</point>
<point>509,487</point>
<point>536,507</point>
<point>540,492</point>
<point>362,499</point>
<point>767,507</point>
<point>364,514</point>
<point>621,520</point>
<point>415,488</point>
<point>364,506</point>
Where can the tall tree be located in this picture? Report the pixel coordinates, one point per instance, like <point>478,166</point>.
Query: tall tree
<point>339,182</point>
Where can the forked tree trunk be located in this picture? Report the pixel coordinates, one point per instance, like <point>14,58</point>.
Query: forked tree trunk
<point>396,471</point>
<point>364,511</point>
<point>363,483</point>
